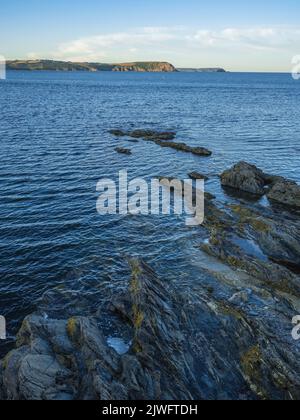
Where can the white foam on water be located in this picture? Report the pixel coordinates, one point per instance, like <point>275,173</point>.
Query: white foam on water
<point>119,345</point>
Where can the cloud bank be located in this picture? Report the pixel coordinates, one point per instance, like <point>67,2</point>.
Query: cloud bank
<point>184,46</point>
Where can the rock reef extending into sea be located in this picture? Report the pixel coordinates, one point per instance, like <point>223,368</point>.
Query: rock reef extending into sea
<point>226,336</point>
<point>163,139</point>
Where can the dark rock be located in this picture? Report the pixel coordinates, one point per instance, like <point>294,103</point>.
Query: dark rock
<point>245,177</point>
<point>123,151</point>
<point>285,192</point>
<point>196,175</point>
<point>152,135</point>
<point>163,139</point>
<point>118,133</point>
<point>145,134</point>
<point>200,151</point>
<point>248,178</point>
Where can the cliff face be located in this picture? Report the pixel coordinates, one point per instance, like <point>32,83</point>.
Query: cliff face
<point>50,65</point>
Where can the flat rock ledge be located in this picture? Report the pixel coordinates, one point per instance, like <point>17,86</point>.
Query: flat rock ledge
<point>248,178</point>
<point>163,139</point>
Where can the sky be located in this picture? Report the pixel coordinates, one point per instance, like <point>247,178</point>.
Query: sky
<point>257,35</point>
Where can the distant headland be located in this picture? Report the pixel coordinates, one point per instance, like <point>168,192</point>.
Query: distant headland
<point>139,66</point>
<point>203,70</point>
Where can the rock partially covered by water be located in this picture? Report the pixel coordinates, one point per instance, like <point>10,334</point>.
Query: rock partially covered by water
<point>200,151</point>
<point>248,178</point>
<point>285,192</point>
<point>244,177</point>
<point>145,134</point>
<point>196,175</point>
<point>123,151</point>
<point>163,139</point>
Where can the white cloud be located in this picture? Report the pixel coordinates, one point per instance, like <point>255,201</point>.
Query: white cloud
<point>96,47</point>
<point>260,37</point>
<point>185,46</point>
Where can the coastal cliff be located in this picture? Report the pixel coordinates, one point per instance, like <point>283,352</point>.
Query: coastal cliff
<point>51,65</point>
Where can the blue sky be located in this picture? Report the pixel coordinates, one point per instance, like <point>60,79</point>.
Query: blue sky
<point>239,35</point>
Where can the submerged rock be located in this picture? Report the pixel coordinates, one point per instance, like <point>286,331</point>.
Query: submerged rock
<point>123,151</point>
<point>285,192</point>
<point>145,134</point>
<point>200,151</point>
<point>153,135</point>
<point>196,175</point>
<point>163,139</point>
<point>117,133</point>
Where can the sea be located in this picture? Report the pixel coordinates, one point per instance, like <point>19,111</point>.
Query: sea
<point>55,146</point>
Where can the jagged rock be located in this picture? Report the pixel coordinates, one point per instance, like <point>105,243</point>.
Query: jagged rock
<point>123,151</point>
<point>285,192</point>
<point>244,177</point>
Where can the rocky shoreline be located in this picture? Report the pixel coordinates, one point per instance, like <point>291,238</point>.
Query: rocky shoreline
<point>226,337</point>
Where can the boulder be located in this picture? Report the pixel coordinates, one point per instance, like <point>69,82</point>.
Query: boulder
<point>285,192</point>
<point>245,177</point>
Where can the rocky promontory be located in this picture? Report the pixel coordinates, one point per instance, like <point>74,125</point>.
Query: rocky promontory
<point>52,65</point>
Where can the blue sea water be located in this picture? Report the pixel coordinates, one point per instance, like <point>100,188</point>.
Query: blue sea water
<point>55,146</point>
